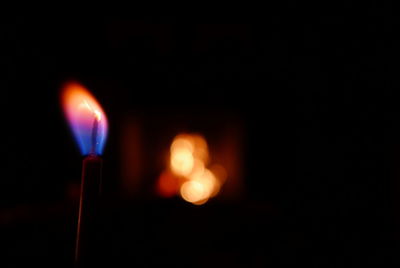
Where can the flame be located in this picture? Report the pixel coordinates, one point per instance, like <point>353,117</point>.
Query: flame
<point>86,118</point>
<point>194,192</point>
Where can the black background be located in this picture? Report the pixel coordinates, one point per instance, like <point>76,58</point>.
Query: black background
<point>321,90</point>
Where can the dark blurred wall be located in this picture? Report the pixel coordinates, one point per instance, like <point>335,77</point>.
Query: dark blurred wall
<point>318,88</point>
<point>138,66</point>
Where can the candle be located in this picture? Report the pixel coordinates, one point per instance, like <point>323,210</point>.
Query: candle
<point>89,126</point>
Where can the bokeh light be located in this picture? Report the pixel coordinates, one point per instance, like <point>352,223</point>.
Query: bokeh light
<point>188,174</point>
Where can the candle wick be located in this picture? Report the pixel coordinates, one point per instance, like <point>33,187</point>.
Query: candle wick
<point>94,136</point>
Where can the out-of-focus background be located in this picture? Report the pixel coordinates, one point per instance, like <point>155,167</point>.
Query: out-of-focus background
<point>230,144</point>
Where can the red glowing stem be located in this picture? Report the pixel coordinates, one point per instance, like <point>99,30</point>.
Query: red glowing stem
<point>86,241</point>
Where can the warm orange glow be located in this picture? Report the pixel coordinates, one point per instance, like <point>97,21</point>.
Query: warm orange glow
<point>220,176</point>
<point>76,97</point>
<point>182,161</point>
<point>86,118</point>
<point>189,157</point>
<point>219,172</point>
<point>188,152</point>
<point>194,192</point>
<point>201,148</point>
<point>167,184</point>
<point>198,168</point>
<point>182,142</point>
<point>209,182</point>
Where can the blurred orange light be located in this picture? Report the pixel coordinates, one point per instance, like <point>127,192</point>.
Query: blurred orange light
<point>201,148</point>
<point>210,183</point>
<point>188,152</point>
<point>189,157</point>
<point>194,192</point>
<point>220,176</point>
<point>198,168</point>
<point>182,142</point>
<point>182,161</point>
